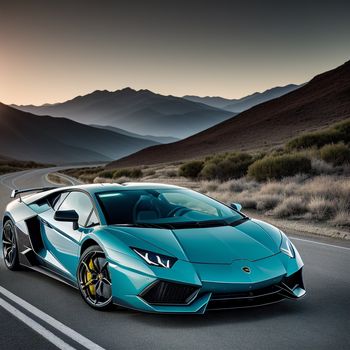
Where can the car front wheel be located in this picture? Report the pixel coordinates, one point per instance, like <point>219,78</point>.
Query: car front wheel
<point>94,280</point>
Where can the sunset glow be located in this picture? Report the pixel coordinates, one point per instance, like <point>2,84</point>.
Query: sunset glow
<point>54,51</point>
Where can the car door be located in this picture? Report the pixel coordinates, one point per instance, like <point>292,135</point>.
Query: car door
<point>59,238</point>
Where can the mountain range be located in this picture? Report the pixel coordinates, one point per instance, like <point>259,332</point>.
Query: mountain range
<point>320,102</point>
<point>25,136</point>
<point>244,103</point>
<point>142,112</point>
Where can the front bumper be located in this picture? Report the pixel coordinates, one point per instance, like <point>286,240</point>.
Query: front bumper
<point>195,288</point>
<point>291,287</point>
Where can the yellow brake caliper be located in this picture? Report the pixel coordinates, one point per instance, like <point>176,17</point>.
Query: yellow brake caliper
<point>89,277</point>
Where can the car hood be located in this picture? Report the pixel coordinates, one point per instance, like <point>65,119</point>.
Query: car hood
<point>219,245</point>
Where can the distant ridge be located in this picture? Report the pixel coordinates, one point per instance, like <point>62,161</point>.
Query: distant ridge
<point>25,136</point>
<point>319,103</point>
<point>157,139</point>
<point>244,103</point>
<point>142,112</point>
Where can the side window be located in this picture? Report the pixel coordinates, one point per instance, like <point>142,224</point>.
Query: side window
<point>81,203</point>
<point>93,220</point>
<point>57,201</point>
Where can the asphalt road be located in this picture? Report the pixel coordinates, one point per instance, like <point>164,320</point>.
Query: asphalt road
<point>37,312</point>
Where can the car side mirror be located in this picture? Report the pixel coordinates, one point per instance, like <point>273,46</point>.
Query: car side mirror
<point>67,216</point>
<point>236,206</point>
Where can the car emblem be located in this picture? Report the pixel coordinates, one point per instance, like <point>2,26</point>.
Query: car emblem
<point>246,269</point>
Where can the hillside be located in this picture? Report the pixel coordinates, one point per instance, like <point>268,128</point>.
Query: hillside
<point>244,103</point>
<point>25,136</point>
<point>156,139</point>
<point>320,102</point>
<point>142,112</point>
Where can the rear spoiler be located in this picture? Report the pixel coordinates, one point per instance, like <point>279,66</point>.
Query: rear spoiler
<point>14,193</point>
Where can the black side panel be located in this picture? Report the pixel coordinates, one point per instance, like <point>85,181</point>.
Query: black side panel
<point>26,255</point>
<point>31,257</point>
<point>33,225</point>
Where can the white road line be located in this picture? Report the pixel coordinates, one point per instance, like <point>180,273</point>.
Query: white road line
<point>87,343</point>
<point>29,172</point>
<point>52,338</point>
<point>320,243</point>
<point>5,177</point>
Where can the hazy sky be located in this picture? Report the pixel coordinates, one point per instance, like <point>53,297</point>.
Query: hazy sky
<point>54,50</point>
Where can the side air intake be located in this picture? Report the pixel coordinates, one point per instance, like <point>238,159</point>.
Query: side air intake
<point>33,225</point>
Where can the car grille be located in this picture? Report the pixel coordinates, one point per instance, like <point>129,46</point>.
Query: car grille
<point>168,293</point>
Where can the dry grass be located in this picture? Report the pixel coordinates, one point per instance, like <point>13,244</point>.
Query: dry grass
<point>290,207</point>
<point>11,166</point>
<point>245,198</point>
<point>321,208</point>
<point>57,179</point>
<point>267,201</point>
<point>209,186</point>
<point>321,167</point>
<point>342,218</point>
<point>322,198</point>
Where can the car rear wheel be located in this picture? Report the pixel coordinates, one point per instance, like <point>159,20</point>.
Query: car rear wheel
<point>9,246</point>
<point>94,280</point>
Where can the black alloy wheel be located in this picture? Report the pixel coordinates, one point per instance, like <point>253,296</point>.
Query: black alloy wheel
<point>94,280</point>
<point>9,246</point>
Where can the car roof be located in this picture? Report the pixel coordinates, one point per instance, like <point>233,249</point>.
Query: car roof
<point>107,187</point>
<point>98,188</point>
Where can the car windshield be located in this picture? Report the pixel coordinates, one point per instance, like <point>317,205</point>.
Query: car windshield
<point>169,208</point>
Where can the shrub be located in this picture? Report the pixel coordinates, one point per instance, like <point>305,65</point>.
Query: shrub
<point>133,173</point>
<point>88,178</point>
<point>150,172</point>
<point>246,199</point>
<point>272,188</point>
<point>227,166</point>
<point>8,169</point>
<point>123,179</point>
<point>335,154</point>
<point>191,169</point>
<point>209,170</point>
<point>314,139</point>
<point>208,186</point>
<point>108,174</point>
<point>267,202</point>
<point>344,129</point>
<point>238,185</point>
<point>329,187</point>
<point>339,132</point>
<point>321,208</point>
<point>342,218</point>
<point>171,173</point>
<point>279,167</point>
<point>319,167</point>
<point>291,206</point>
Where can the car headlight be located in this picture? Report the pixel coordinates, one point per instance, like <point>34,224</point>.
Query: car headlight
<point>155,259</point>
<point>287,247</point>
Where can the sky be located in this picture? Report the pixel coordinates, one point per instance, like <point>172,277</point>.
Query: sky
<point>51,51</point>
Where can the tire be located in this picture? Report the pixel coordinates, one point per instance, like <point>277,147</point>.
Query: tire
<point>9,246</point>
<point>94,280</point>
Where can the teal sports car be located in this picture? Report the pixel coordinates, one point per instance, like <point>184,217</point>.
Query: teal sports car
<point>150,247</point>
